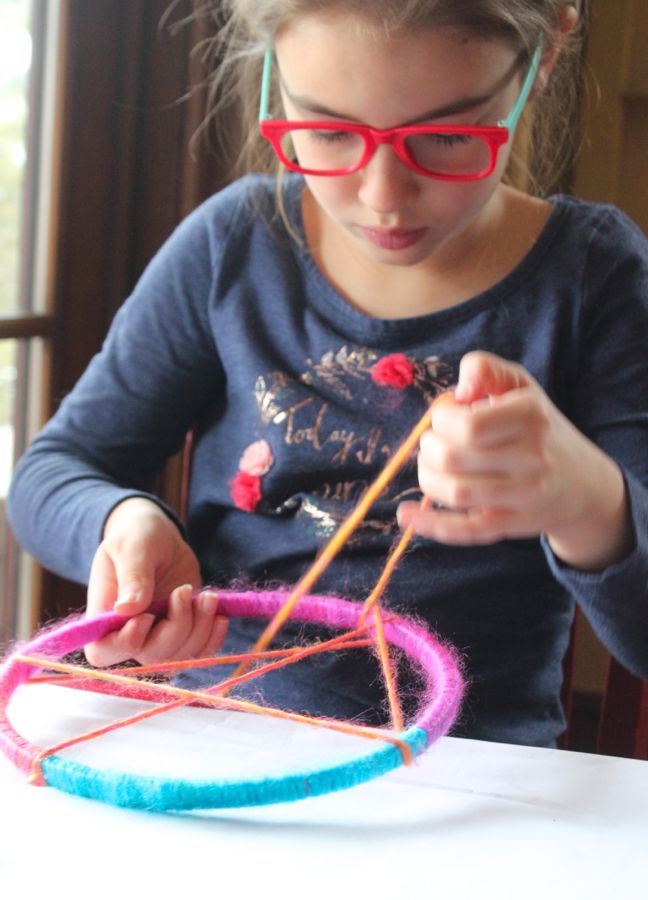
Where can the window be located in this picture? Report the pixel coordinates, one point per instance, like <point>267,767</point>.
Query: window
<point>87,219</point>
<point>26,31</point>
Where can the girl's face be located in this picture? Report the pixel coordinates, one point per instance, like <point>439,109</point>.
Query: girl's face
<point>331,69</point>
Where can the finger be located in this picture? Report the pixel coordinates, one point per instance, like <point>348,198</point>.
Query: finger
<point>102,584</point>
<point>204,614</point>
<point>517,416</point>
<point>484,374</point>
<point>171,633</point>
<point>121,645</point>
<point>514,491</point>
<point>135,573</point>
<point>466,528</point>
<point>438,455</point>
<point>216,637</point>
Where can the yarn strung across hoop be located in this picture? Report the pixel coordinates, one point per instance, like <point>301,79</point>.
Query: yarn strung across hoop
<point>436,663</point>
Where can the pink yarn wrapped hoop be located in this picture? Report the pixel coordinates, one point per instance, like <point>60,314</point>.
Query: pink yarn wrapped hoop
<point>437,664</point>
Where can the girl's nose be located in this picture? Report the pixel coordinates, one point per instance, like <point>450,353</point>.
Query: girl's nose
<point>387,184</point>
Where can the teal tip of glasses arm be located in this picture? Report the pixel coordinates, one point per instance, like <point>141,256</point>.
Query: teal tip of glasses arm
<point>511,121</point>
<point>265,86</point>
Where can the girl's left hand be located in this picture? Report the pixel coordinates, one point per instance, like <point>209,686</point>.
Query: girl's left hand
<point>504,462</point>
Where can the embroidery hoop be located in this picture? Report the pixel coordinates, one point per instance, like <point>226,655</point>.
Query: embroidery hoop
<point>436,662</point>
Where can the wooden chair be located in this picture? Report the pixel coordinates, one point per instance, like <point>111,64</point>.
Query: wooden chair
<point>622,726</point>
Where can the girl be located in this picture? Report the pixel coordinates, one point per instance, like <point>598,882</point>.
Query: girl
<point>301,333</point>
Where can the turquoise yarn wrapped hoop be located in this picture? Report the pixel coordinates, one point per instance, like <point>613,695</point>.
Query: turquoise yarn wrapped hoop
<point>436,662</point>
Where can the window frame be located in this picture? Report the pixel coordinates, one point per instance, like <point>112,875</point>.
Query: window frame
<point>122,79</point>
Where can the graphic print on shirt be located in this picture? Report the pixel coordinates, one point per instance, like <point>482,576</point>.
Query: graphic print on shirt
<point>338,422</point>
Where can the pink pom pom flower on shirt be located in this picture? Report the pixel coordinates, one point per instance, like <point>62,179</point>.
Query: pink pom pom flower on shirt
<point>245,491</point>
<point>245,487</point>
<point>395,370</point>
<point>257,459</point>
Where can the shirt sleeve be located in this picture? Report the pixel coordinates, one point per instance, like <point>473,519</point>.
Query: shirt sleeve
<point>130,411</point>
<point>610,406</point>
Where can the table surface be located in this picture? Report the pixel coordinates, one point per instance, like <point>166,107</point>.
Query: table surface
<point>468,819</point>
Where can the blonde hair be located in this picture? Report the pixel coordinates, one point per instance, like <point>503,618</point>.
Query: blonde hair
<point>545,142</point>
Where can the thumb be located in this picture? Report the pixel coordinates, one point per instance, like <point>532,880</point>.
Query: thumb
<point>483,375</point>
<point>135,582</point>
<point>102,583</point>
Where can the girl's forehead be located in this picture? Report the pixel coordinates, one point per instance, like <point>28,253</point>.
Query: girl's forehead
<point>336,64</point>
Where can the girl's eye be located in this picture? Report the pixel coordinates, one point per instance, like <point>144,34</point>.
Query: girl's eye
<point>331,137</point>
<point>451,140</point>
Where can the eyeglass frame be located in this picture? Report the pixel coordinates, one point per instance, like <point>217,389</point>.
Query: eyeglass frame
<point>495,136</point>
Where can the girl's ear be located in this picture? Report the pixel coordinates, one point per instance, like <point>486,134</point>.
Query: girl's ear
<point>566,21</point>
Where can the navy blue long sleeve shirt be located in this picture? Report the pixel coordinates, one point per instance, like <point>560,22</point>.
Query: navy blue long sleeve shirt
<point>234,332</point>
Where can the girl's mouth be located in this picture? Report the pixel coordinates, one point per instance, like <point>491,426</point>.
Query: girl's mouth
<point>393,238</point>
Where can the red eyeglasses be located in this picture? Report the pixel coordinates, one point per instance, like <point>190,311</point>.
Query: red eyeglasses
<point>448,152</point>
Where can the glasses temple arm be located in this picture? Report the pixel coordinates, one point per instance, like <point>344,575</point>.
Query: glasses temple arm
<point>511,121</point>
<point>265,86</point>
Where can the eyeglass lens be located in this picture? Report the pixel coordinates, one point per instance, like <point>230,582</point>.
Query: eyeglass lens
<point>444,154</point>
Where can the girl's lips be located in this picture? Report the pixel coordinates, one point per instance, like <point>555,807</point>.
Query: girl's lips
<point>394,238</point>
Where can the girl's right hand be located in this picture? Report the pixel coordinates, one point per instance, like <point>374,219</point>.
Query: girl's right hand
<point>141,558</point>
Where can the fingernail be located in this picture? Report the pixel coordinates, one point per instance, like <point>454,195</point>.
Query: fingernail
<point>403,516</point>
<point>128,598</point>
<point>182,595</point>
<point>208,602</point>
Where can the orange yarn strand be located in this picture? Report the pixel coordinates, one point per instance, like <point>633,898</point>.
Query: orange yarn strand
<point>344,641</point>
<point>388,674</point>
<point>392,561</point>
<point>344,532</point>
<point>184,697</point>
<point>348,640</point>
<point>115,677</point>
<point>202,662</point>
<point>216,695</point>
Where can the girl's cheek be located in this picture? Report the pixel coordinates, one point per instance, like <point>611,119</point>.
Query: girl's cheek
<point>333,192</point>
